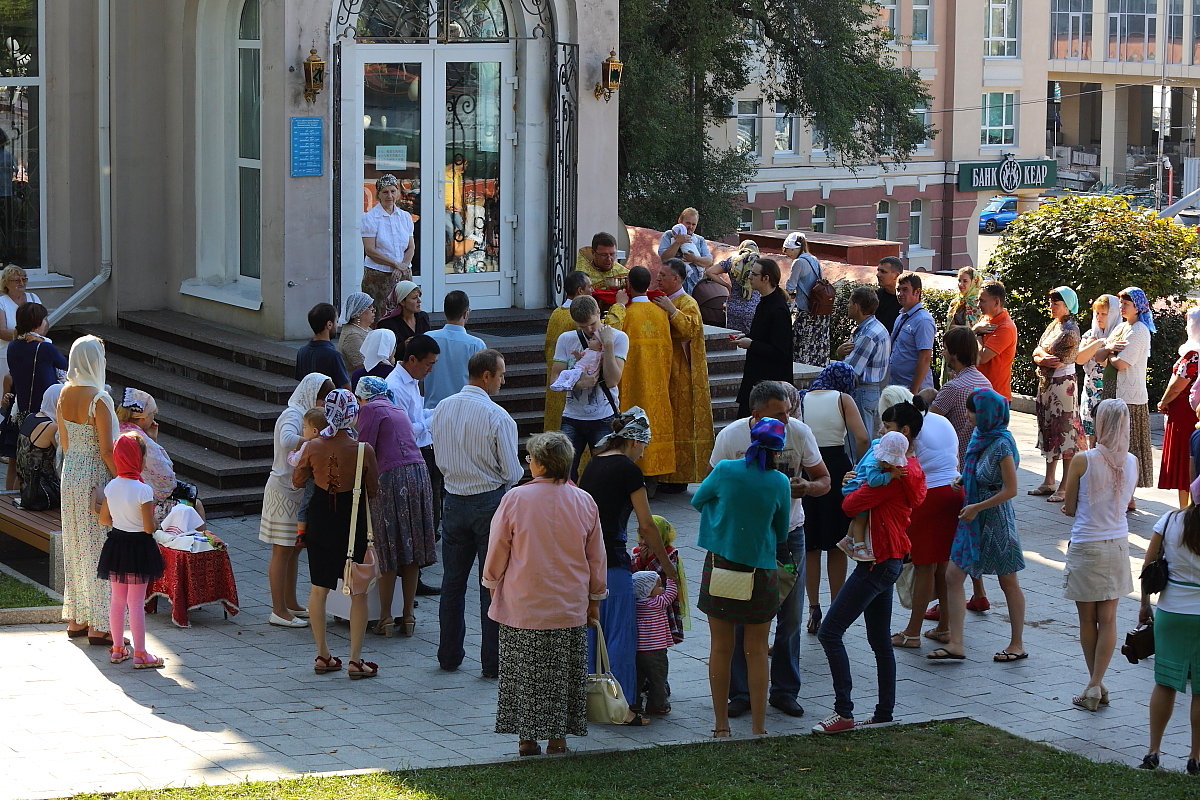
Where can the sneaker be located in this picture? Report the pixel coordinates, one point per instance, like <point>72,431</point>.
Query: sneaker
<point>737,707</point>
<point>979,604</point>
<point>1193,767</point>
<point>860,552</point>
<point>846,545</point>
<point>934,613</point>
<point>1149,762</point>
<point>836,723</point>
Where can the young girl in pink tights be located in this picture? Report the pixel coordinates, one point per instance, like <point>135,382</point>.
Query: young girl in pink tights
<point>130,558</point>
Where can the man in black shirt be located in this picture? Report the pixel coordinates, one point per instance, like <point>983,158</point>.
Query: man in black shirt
<point>320,354</point>
<point>888,273</point>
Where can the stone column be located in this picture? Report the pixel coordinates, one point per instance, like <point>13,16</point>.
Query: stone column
<point>1114,132</point>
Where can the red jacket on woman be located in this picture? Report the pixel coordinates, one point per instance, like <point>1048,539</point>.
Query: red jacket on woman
<point>891,508</point>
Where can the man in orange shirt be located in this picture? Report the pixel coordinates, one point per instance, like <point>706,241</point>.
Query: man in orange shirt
<point>997,339</point>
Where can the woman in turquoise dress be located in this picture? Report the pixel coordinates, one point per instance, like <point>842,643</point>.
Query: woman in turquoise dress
<point>986,541</point>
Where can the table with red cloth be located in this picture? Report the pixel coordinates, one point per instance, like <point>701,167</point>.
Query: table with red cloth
<point>191,580</point>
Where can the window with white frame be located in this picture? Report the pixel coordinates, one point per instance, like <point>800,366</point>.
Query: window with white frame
<point>1000,28</point>
<point>785,131</point>
<point>22,102</point>
<point>249,150</point>
<point>783,218</point>
<point>1174,31</point>
<point>921,21</point>
<point>1071,29</point>
<point>747,126</point>
<point>746,223</point>
<point>916,213</point>
<point>883,214</point>
<point>820,219</point>
<point>887,16</point>
<point>997,121</point>
<point>923,116</point>
<point>1132,30</point>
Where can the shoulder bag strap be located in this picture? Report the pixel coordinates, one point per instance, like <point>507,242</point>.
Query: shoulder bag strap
<point>600,380</point>
<point>33,378</point>
<point>354,503</point>
<point>602,663</point>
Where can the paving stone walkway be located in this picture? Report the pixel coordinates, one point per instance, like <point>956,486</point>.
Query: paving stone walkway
<point>238,699</point>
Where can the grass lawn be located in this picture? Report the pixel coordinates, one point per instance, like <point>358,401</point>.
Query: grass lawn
<point>942,760</point>
<point>18,594</point>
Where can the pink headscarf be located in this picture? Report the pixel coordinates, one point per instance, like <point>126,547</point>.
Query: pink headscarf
<point>1112,443</point>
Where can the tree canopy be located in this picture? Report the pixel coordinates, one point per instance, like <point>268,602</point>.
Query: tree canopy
<point>827,61</point>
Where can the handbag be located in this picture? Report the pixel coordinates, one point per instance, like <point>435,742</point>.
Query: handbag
<point>1154,575</point>
<point>1139,643</point>
<point>785,574</point>
<point>606,704</point>
<point>358,578</point>
<point>731,583</point>
<point>904,585</point>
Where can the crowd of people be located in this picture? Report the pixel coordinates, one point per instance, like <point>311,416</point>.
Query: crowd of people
<point>393,437</point>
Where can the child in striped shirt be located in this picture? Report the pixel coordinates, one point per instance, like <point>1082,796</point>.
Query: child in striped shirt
<point>654,637</point>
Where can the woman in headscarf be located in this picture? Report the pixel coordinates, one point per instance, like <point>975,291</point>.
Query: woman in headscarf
<point>378,353</point>
<point>810,333</point>
<point>87,429</point>
<point>1098,487</point>
<point>615,482</point>
<point>1106,313</point>
<point>867,592</point>
<point>402,511</point>
<point>331,461</point>
<point>743,299</point>
<point>36,451</point>
<point>1176,470</point>
<point>986,542</point>
<point>964,311</point>
<point>137,414</point>
<point>358,315</point>
<point>389,244</point>
<point>828,408</point>
<point>744,506</point>
<point>33,363</point>
<point>407,319</point>
<point>1059,431</point>
<point>281,503</point>
<point>1127,349</point>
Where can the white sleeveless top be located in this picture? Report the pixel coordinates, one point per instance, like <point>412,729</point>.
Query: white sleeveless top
<point>1100,518</point>
<point>823,415</point>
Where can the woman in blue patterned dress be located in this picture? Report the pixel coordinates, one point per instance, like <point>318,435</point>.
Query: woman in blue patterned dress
<point>986,542</point>
<point>743,300</point>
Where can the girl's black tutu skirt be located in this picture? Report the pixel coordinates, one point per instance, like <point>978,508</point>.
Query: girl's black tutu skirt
<point>130,558</point>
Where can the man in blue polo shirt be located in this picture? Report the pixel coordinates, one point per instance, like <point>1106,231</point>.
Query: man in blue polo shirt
<point>913,335</point>
<point>456,348</point>
<point>320,354</point>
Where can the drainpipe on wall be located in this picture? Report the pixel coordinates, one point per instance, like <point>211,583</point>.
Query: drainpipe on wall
<point>104,160</point>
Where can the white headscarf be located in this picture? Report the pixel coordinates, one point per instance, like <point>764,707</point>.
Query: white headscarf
<point>1113,319</point>
<point>50,401</point>
<point>86,366</point>
<point>379,345</point>
<point>356,303</point>
<point>1192,345</point>
<point>1112,443</point>
<point>304,396</point>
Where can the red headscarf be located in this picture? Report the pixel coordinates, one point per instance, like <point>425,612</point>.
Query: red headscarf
<point>127,456</point>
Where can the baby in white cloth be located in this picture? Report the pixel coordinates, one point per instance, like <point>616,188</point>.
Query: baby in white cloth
<point>587,364</point>
<point>689,246</point>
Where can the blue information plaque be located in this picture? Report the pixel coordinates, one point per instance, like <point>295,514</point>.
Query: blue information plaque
<point>307,147</point>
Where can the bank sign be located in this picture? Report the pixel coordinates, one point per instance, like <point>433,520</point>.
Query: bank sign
<point>1007,176</point>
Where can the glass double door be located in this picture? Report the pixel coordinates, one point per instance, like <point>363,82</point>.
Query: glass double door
<point>440,120</point>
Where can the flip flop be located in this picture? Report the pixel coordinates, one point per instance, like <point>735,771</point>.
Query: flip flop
<point>904,640</point>
<point>1056,498</point>
<point>638,721</point>
<point>1041,491</point>
<point>942,654</point>
<point>937,636</point>
<point>1003,657</point>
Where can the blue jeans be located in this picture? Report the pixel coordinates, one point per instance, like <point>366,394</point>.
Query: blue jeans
<point>584,433</point>
<point>867,593</point>
<point>466,526</point>
<point>785,660</point>
<point>618,618</point>
<point>866,397</point>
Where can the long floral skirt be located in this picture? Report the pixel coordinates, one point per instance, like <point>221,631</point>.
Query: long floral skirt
<point>1059,431</point>
<point>542,692</point>
<point>1139,443</point>
<point>810,339</point>
<point>402,514</point>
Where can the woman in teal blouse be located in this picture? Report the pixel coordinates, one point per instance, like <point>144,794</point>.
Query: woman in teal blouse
<point>744,506</point>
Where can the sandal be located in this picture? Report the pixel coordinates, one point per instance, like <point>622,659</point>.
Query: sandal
<point>78,633</point>
<point>1004,656</point>
<point>362,669</point>
<point>942,654</point>
<point>325,664</point>
<point>814,619</point>
<point>905,640</point>
<point>557,749</point>
<point>1057,497</point>
<point>118,655</point>
<point>938,635</point>
<point>384,627</point>
<point>720,733</point>
<point>144,660</point>
<point>408,626</point>
<point>1042,491</point>
<point>637,721</point>
<point>525,747</point>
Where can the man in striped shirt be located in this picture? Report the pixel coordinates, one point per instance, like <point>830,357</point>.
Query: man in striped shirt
<point>868,353</point>
<point>475,443</point>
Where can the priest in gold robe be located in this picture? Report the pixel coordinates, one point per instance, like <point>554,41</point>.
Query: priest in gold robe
<point>691,400</point>
<point>575,284</point>
<point>646,381</point>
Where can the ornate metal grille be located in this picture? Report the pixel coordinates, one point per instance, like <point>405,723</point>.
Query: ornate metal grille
<point>564,173</point>
<point>440,20</point>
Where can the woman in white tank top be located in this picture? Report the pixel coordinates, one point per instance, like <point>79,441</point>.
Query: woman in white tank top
<point>1098,489</point>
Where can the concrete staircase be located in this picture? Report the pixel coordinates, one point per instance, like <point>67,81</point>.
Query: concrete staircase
<point>220,390</point>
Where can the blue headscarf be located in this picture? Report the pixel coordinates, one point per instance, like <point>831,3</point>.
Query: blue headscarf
<point>837,375</point>
<point>767,434</point>
<point>1138,298</point>
<point>370,387</point>
<point>991,425</point>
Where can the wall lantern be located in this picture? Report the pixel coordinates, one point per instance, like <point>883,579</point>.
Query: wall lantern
<point>610,77</point>
<point>314,76</point>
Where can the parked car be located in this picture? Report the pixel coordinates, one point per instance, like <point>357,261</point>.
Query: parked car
<point>997,214</point>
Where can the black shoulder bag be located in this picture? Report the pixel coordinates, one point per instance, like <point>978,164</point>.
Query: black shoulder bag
<point>1154,575</point>
<point>600,380</point>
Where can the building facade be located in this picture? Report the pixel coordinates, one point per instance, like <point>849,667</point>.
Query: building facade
<point>1071,83</point>
<point>166,156</point>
